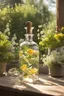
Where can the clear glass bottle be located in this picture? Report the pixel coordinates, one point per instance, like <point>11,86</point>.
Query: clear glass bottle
<point>29,56</point>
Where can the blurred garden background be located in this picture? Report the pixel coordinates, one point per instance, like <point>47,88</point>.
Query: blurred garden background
<point>15,13</point>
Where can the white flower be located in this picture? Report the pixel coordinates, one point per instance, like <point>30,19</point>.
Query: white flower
<point>56,56</point>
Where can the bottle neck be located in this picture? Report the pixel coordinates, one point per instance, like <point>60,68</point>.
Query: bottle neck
<point>29,37</point>
<point>29,31</point>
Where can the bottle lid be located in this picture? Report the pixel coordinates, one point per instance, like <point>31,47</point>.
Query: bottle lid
<point>29,27</point>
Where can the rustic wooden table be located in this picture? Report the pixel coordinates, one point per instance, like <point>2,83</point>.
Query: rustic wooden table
<point>46,86</point>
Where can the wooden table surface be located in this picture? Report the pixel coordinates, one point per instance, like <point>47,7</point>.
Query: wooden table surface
<point>46,86</point>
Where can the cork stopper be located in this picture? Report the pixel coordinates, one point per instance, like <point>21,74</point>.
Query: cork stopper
<point>29,27</point>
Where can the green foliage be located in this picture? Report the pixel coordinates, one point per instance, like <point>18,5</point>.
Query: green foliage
<point>5,48</point>
<point>50,40</point>
<point>4,18</point>
<point>17,17</point>
<point>46,37</point>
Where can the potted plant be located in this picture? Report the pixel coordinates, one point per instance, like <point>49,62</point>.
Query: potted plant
<point>50,42</point>
<point>5,52</point>
<point>55,61</point>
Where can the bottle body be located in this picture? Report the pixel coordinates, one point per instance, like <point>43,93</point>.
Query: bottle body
<point>29,60</point>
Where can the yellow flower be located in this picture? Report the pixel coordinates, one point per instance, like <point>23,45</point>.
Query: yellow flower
<point>23,67</point>
<point>30,51</point>
<point>33,71</point>
<point>59,35</point>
